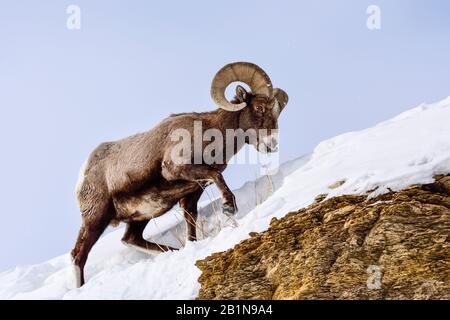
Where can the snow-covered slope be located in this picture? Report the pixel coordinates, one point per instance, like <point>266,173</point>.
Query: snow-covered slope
<point>408,149</point>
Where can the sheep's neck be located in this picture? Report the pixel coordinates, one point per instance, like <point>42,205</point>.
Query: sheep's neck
<point>226,120</point>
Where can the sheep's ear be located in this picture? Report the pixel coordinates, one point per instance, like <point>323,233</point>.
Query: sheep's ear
<point>241,93</point>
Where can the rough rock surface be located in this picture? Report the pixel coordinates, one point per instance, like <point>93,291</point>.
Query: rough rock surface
<point>394,246</point>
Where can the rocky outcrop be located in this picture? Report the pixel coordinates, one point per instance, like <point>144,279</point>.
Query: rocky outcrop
<point>394,246</point>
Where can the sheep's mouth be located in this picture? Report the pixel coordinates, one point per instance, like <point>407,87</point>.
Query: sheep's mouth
<point>268,144</point>
<point>267,148</point>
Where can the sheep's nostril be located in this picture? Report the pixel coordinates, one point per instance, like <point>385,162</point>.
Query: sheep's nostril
<point>270,144</point>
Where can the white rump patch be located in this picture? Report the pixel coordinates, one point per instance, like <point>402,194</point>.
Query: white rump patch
<point>81,176</point>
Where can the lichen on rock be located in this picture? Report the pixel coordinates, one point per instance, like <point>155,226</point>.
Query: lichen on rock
<point>394,246</point>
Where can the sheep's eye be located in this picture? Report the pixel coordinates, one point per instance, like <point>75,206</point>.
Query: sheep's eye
<point>259,108</point>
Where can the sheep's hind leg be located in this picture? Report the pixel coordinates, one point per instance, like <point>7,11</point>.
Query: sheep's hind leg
<point>134,238</point>
<point>90,232</point>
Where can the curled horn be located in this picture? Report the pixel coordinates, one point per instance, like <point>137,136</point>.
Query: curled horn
<point>248,73</point>
<point>281,97</point>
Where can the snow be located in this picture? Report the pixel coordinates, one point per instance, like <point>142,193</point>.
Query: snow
<point>408,149</point>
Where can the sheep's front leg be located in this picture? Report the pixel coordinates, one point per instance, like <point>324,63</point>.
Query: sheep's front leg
<point>200,174</point>
<point>189,206</point>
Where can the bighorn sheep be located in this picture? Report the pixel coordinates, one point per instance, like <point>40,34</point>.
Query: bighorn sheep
<point>136,179</point>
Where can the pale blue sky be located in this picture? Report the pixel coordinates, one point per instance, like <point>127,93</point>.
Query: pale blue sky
<point>133,62</point>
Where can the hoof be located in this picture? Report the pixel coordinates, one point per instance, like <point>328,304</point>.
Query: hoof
<point>79,281</point>
<point>228,210</point>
